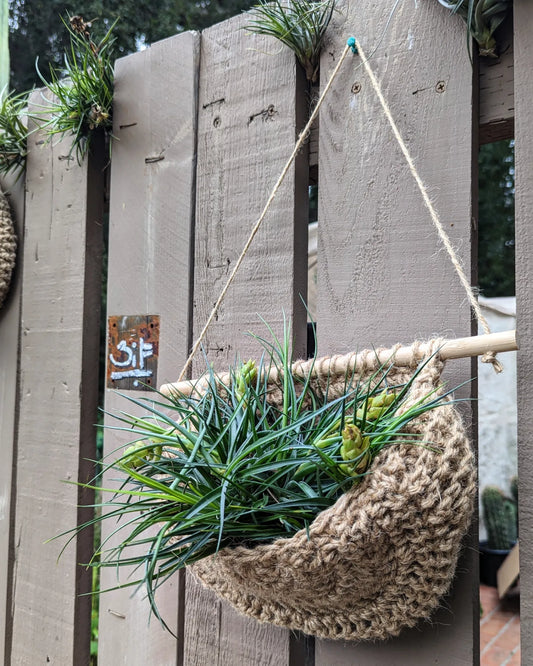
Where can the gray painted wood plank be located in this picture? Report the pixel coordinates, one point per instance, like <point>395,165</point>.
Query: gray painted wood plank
<point>523,67</point>
<point>151,212</point>
<point>9,335</point>
<point>58,367</point>
<point>382,276</point>
<point>249,115</point>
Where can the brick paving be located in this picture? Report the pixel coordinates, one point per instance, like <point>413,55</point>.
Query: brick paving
<point>499,629</point>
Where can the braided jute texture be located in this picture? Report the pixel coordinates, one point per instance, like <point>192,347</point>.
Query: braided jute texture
<point>8,247</point>
<point>383,555</point>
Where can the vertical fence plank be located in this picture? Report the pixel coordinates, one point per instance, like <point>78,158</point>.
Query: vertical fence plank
<point>9,335</point>
<point>249,115</point>
<point>523,52</point>
<point>57,402</point>
<point>382,277</point>
<point>151,212</point>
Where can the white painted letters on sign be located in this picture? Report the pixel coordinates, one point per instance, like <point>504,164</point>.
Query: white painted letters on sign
<point>133,358</point>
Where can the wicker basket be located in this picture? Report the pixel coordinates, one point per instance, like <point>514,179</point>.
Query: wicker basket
<point>8,247</point>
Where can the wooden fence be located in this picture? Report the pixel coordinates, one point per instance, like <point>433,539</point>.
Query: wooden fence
<point>203,126</point>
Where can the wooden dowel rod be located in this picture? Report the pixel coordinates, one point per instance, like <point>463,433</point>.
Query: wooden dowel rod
<point>458,348</point>
<point>480,344</point>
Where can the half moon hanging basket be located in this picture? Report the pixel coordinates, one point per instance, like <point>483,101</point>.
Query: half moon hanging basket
<point>380,559</point>
<point>8,247</point>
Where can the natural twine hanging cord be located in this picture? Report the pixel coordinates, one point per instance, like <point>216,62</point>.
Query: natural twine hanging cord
<point>488,357</point>
<point>352,44</point>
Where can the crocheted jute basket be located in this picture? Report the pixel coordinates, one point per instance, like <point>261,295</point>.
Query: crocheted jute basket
<point>383,555</point>
<point>8,247</point>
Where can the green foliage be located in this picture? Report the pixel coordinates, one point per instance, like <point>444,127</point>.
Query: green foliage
<point>81,99</point>
<point>230,465</point>
<point>496,219</point>
<point>33,29</point>
<point>13,133</point>
<point>501,520</point>
<point>299,24</point>
<point>482,18</point>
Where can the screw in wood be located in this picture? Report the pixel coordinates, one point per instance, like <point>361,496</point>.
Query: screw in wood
<point>440,87</point>
<point>216,122</point>
<point>356,88</point>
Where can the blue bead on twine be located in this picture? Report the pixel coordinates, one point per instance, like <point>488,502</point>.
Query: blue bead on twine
<point>351,44</point>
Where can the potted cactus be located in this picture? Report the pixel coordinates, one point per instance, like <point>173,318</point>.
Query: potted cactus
<point>500,514</point>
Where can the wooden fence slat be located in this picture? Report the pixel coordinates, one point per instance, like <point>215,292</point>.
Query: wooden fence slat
<point>382,276</point>
<point>249,114</point>
<point>58,394</point>
<point>151,212</point>
<point>9,335</point>
<point>523,71</point>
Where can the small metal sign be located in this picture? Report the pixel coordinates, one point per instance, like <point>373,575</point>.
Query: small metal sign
<point>132,351</point>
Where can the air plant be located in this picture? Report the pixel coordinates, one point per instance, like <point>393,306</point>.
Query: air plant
<point>482,18</point>
<point>13,132</point>
<point>242,462</point>
<point>299,24</point>
<point>12,107</point>
<point>82,93</point>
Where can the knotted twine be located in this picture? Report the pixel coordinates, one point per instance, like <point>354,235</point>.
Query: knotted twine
<point>381,558</point>
<point>8,247</point>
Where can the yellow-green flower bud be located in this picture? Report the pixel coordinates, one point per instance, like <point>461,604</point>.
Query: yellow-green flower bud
<point>375,406</point>
<point>384,399</point>
<point>132,456</point>
<point>246,374</point>
<point>135,456</point>
<point>354,448</point>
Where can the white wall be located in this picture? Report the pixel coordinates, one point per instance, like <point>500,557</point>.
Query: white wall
<point>497,404</point>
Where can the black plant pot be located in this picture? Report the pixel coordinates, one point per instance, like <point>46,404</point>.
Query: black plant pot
<point>490,560</point>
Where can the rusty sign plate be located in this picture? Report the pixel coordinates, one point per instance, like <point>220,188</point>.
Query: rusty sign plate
<point>132,351</point>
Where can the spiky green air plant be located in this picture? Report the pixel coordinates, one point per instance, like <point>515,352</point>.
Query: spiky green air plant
<point>81,99</point>
<point>299,24</point>
<point>482,18</point>
<point>13,133</point>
